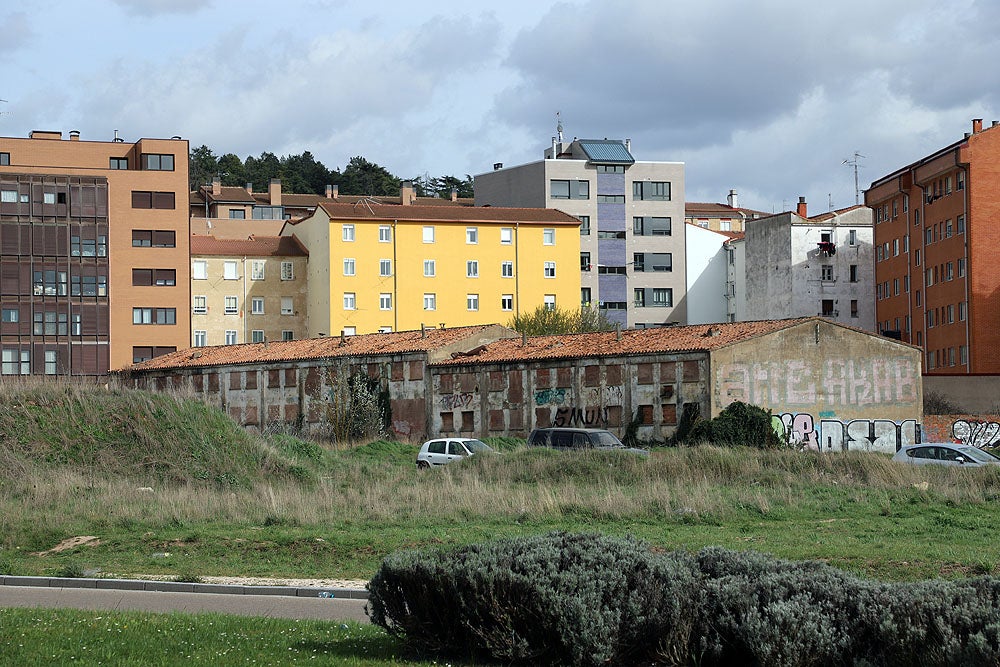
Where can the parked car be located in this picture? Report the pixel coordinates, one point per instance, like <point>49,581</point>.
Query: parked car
<point>578,438</point>
<point>945,454</point>
<point>442,451</point>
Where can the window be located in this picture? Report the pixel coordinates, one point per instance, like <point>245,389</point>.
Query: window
<point>230,271</point>
<point>160,277</point>
<point>472,302</point>
<point>287,305</point>
<point>663,297</point>
<point>385,267</point>
<point>16,362</point>
<point>4,159</point>
<point>960,224</point>
<point>506,235</point>
<point>652,261</point>
<point>826,272</point>
<point>430,302</point>
<point>49,283</point>
<point>257,336</point>
<point>951,313</point>
<point>612,305</point>
<point>895,208</point>
<point>257,305</point>
<point>610,199</point>
<point>50,362</point>
<point>906,284</point>
<point>350,301</point>
<point>84,247</point>
<point>89,286</point>
<point>610,270</point>
<point>895,247</point>
<point>8,196</point>
<point>118,163</point>
<point>199,270</point>
<point>147,238</point>
<point>49,323</point>
<point>232,305</point>
<point>949,271</point>
<point>567,189</point>
<point>257,269</point>
<point>826,308</point>
<point>550,301</point>
<point>506,269</point>
<point>268,213</point>
<point>472,268</point>
<point>961,267</point>
<point>651,190</point>
<point>854,273</point>
<point>916,257</point>
<point>585,296</point>
<point>428,235</point>
<point>429,268</point>
<point>347,233</point>
<point>947,228</point>
<point>963,311</point>
<point>917,297</point>
<point>585,261</point>
<point>149,199</point>
<point>49,198</point>
<point>154,316</point>
<point>906,244</point>
<point>610,235</point>
<point>651,226</point>
<point>639,297</point>
<point>854,307</point>
<point>385,301</point>
<point>584,225</point>
<point>237,214</point>
<point>11,315</point>
<point>157,162</point>
<point>348,266</point>
<point>507,302</point>
<point>472,235</point>
<point>199,304</point>
<point>947,185</point>
<point>895,286</point>
<point>928,235</point>
<point>548,237</point>
<point>231,338</point>
<point>384,234</point>
<point>610,169</point>
<point>287,334</point>
<point>550,269</point>
<point>200,338</point>
<point>287,271</point>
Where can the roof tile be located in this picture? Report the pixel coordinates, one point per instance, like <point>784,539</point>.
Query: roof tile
<point>253,246</point>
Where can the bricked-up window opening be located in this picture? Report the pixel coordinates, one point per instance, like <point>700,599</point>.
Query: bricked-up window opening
<point>591,376</point>
<point>468,421</point>
<point>158,161</point>
<point>447,422</point>
<point>646,415</point>
<point>149,199</point>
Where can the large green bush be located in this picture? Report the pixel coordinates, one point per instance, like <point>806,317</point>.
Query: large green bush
<point>739,424</point>
<point>594,600</point>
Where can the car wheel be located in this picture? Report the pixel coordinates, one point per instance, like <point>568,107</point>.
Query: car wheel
<point>423,465</point>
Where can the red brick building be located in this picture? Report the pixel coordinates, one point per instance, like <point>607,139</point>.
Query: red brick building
<point>936,239</point>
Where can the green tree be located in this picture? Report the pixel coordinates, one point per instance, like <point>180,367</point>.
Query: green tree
<point>362,177</point>
<point>545,321</point>
<point>231,170</point>
<point>260,171</point>
<point>443,185</point>
<point>203,166</point>
<point>304,174</point>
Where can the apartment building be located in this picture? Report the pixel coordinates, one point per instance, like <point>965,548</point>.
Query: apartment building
<point>935,249</point>
<point>93,253</point>
<point>377,267</point>
<point>631,235</point>
<point>728,217</point>
<point>250,290</point>
<point>710,291</point>
<point>798,266</point>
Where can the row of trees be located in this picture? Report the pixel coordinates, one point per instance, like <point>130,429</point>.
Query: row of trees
<point>305,174</point>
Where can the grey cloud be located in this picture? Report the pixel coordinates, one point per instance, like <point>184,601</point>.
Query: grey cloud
<point>17,32</point>
<point>159,7</point>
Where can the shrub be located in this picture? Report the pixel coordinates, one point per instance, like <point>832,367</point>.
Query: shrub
<point>739,424</point>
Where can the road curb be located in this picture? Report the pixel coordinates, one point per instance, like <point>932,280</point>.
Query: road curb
<point>183,587</point>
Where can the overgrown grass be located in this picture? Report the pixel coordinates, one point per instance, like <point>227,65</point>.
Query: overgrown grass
<point>301,509</point>
<point>59,637</point>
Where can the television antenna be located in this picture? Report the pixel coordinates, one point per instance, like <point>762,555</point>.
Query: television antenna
<point>854,163</point>
<point>4,113</point>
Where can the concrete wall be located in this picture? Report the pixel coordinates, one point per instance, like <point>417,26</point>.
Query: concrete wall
<point>830,387</point>
<point>974,394</point>
<point>707,275</point>
<point>768,268</point>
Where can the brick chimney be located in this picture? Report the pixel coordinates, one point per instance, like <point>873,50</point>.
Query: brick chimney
<point>406,193</point>
<point>977,125</point>
<point>274,192</point>
<point>216,185</point>
<point>801,210</point>
<point>454,194</point>
<point>733,200</point>
<point>249,187</point>
<point>329,191</point>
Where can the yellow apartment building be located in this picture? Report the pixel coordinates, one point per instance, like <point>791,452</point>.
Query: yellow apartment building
<point>93,252</point>
<point>249,290</point>
<point>393,267</point>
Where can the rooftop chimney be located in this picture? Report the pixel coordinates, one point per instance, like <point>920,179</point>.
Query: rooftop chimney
<point>274,192</point>
<point>336,192</point>
<point>406,193</point>
<point>45,134</point>
<point>628,145</point>
<point>329,192</point>
<point>801,210</point>
<point>216,185</point>
<point>732,199</point>
<point>249,187</point>
<point>74,135</point>
<point>498,166</point>
<point>454,194</point>
<point>995,123</point>
<point>977,125</point>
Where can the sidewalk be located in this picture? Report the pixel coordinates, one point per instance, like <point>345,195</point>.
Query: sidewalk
<point>186,587</point>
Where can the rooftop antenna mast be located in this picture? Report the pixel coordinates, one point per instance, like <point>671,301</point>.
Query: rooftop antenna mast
<point>854,163</point>
<point>559,129</point>
<point>4,113</point>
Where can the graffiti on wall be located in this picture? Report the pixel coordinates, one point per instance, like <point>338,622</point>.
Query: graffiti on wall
<point>456,401</point>
<point>976,433</point>
<point>581,417</point>
<point>604,396</point>
<point>401,427</point>
<point>879,435</point>
<point>838,382</point>
<point>556,396</point>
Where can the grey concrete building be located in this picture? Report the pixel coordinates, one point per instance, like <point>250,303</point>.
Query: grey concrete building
<point>632,223</point>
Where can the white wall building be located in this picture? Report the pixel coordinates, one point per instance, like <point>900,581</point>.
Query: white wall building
<point>799,266</point>
<point>708,275</point>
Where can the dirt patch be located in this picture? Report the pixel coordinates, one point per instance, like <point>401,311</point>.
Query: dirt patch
<point>72,543</point>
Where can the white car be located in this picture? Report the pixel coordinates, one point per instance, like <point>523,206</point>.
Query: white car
<point>441,451</point>
<point>945,454</point>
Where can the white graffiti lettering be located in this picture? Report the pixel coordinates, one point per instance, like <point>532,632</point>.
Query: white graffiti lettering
<point>834,435</point>
<point>976,433</point>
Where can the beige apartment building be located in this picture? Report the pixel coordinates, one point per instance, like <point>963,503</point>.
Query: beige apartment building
<point>250,290</point>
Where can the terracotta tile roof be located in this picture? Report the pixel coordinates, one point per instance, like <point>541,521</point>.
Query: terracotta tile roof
<point>663,340</point>
<point>832,214</point>
<point>366,345</point>
<point>226,228</point>
<point>253,246</point>
<point>709,210</point>
<point>229,193</point>
<point>734,236</point>
<point>437,213</point>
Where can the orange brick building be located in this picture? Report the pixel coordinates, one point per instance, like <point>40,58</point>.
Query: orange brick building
<point>936,239</point>
<point>94,253</point>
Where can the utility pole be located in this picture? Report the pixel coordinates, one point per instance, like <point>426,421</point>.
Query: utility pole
<point>854,163</point>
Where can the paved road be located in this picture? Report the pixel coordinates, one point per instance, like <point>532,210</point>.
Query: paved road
<point>276,606</point>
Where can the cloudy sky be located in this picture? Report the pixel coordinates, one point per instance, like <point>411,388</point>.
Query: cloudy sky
<point>767,97</point>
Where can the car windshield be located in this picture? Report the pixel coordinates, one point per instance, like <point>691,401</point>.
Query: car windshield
<point>605,439</point>
<point>477,446</point>
<point>979,455</point>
